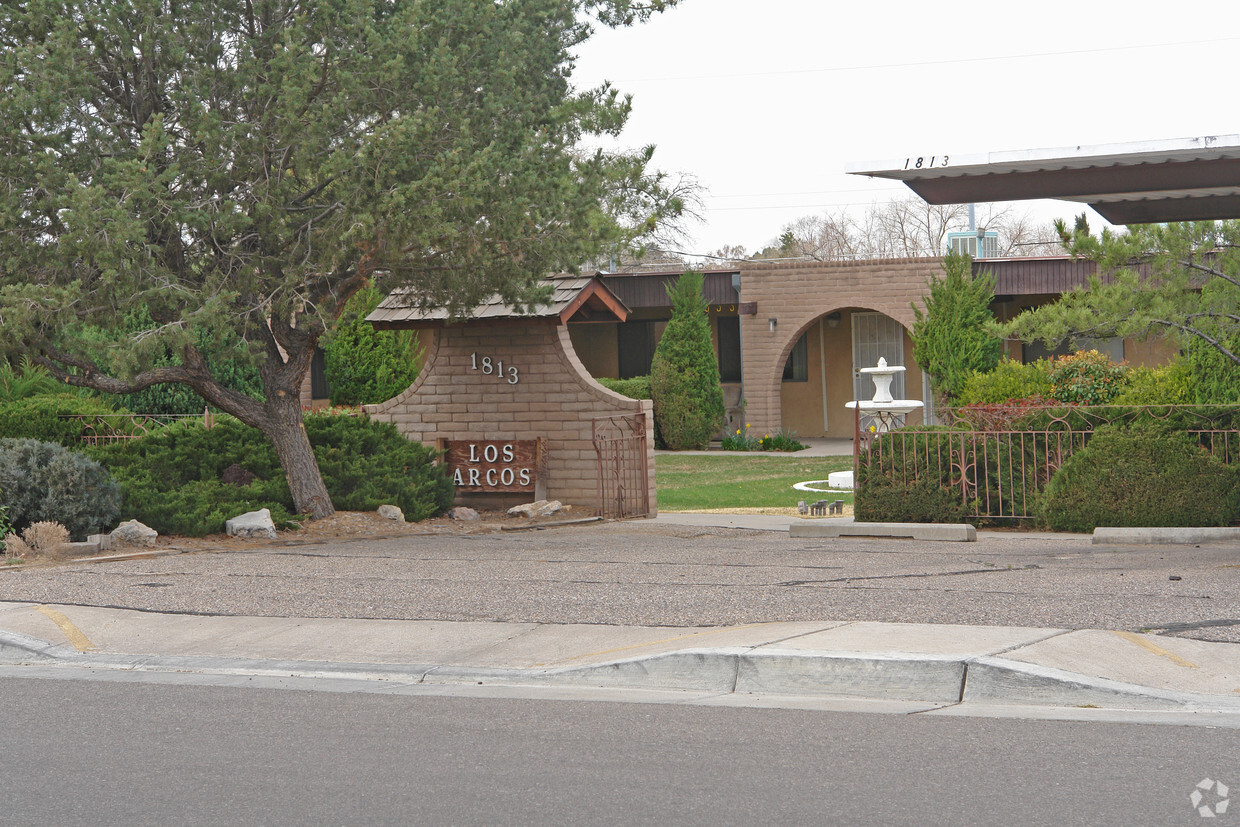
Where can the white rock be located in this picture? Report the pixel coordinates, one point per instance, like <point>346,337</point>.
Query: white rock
<point>542,508</point>
<point>463,513</point>
<point>133,533</point>
<point>391,512</point>
<point>252,524</point>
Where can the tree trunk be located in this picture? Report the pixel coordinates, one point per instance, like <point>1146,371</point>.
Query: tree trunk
<point>283,425</point>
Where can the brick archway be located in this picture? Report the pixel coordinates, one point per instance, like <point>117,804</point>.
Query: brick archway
<point>797,296</point>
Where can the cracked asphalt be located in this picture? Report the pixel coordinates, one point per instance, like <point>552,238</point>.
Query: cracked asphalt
<point>648,574</point>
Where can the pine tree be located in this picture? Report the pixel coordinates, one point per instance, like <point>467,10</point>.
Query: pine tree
<point>248,166</point>
<point>684,375</point>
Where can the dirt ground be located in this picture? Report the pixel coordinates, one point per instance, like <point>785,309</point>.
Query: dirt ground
<point>368,525</point>
<point>358,525</point>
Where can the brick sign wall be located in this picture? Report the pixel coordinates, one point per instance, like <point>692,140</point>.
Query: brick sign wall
<point>511,383</point>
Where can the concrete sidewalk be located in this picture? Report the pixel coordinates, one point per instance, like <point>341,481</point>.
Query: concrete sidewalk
<point>920,667</point>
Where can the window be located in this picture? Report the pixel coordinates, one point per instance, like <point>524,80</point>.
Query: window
<point>729,332</point>
<point>318,376</point>
<point>875,337</point>
<point>635,342</point>
<point>1113,348</point>
<point>796,369</point>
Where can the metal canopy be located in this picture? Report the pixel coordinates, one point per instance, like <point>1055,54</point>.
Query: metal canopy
<point>1186,179</point>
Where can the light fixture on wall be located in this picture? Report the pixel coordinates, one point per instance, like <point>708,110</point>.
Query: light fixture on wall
<point>833,319</point>
<point>772,323</point>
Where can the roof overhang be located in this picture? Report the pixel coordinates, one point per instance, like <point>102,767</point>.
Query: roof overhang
<point>573,299</point>
<point>1187,179</point>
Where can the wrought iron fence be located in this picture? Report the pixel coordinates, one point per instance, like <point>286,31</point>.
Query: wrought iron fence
<point>623,472</point>
<point>1000,457</point>
<point>107,428</point>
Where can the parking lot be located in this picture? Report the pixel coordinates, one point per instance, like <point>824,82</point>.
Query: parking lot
<point>648,573</point>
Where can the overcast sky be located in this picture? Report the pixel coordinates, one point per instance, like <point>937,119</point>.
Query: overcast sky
<point>764,103</point>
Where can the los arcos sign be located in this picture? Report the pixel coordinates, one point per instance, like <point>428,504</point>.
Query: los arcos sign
<point>494,465</point>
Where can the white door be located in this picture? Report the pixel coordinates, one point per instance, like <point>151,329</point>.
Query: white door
<point>875,336</point>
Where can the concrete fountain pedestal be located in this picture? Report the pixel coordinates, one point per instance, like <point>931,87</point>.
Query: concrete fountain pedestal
<point>886,412</point>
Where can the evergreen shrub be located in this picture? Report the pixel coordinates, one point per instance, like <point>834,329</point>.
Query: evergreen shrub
<point>45,482</point>
<point>173,479</point>
<point>42,417</point>
<point>1215,378</point>
<point>364,366</point>
<point>955,337</point>
<point>910,480</point>
<point>637,387</point>
<point>1145,474</point>
<point>1008,380</point>
<point>1170,384</point>
<point>366,464</point>
<point>921,501</point>
<point>684,374</point>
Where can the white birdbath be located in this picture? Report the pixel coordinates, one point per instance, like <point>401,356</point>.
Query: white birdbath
<point>886,412</point>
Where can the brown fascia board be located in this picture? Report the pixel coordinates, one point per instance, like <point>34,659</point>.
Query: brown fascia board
<point>1079,184</point>
<point>1158,210</point>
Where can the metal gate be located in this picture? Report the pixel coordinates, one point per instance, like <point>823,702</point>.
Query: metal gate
<point>623,473</point>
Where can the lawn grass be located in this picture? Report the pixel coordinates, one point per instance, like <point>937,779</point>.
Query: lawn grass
<point>695,482</point>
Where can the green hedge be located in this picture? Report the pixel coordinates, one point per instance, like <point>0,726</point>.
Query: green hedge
<point>1008,380</point>
<point>898,484</point>
<point>1141,475</point>
<point>172,480</point>
<point>1150,472</point>
<point>914,476</point>
<point>636,388</point>
<point>40,417</point>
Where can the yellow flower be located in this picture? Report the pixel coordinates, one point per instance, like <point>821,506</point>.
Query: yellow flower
<point>738,431</point>
<point>872,429</point>
<point>746,425</point>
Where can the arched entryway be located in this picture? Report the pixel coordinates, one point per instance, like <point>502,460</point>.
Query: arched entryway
<point>819,369</point>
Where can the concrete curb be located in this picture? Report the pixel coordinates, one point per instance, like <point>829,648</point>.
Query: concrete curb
<point>15,643</point>
<point>931,679</point>
<point>947,532</point>
<point>998,681</point>
<point>1164,536</point>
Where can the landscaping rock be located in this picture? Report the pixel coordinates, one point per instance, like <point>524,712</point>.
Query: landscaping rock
<point>236,475</point>
<point>391,512</point>
<point>252,524</point>
<point>133,533</point>
<point>542,508</point>
<point>463,513</point>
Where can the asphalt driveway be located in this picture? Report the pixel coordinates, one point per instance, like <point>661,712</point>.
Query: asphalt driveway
<point>640,573</point>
